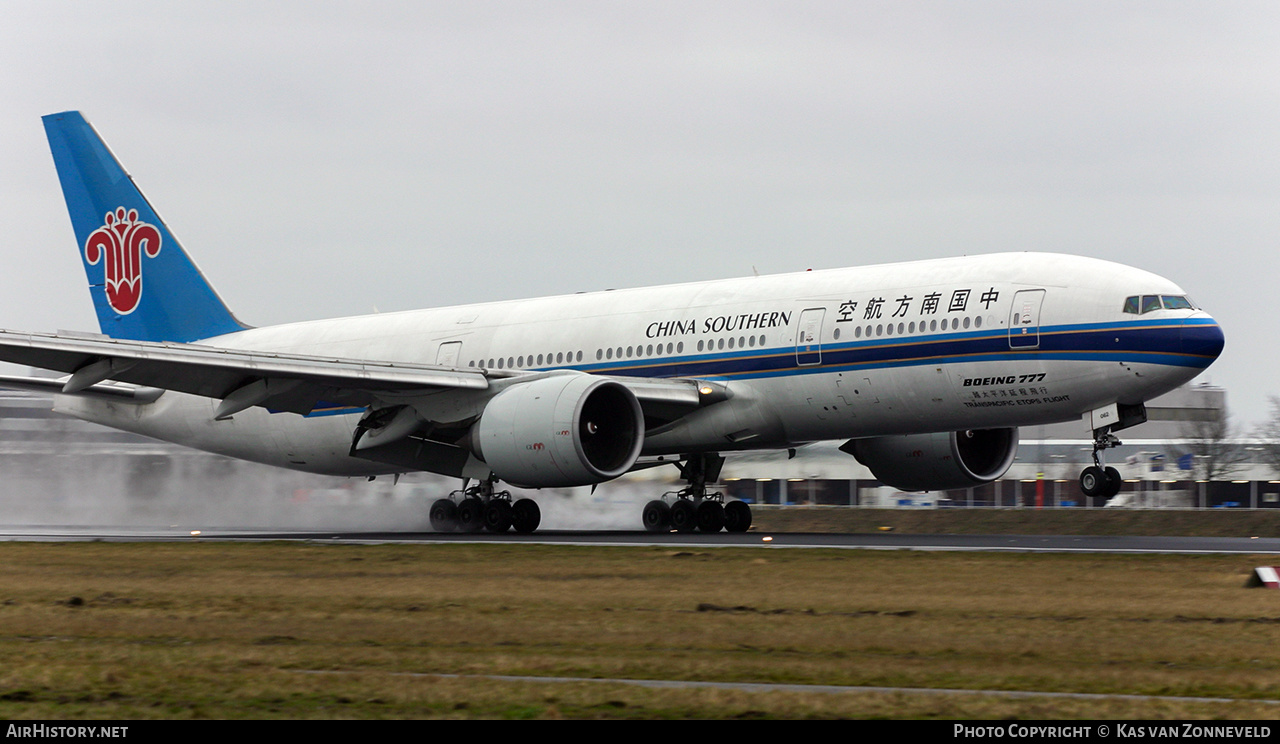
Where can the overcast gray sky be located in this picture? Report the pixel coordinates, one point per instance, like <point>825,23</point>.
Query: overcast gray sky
<point>321,159</point>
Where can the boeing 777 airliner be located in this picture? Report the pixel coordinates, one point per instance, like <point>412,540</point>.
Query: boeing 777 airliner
<point>926,369</point>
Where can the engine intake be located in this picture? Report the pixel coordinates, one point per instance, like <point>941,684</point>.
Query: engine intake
<point>559,431</point>
<point>937,461</point>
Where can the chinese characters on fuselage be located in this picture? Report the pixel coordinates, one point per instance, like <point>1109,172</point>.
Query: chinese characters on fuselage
<point>930,304</point>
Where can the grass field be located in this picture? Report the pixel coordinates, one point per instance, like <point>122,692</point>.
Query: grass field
<point>217,630</point>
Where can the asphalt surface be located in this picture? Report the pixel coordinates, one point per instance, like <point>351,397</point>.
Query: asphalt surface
<point>876,541</point>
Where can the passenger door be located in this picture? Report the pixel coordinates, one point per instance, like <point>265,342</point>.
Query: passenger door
<point>1024,319</point>
<point>809,337</point>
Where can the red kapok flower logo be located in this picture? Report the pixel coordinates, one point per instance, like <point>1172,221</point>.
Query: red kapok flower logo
<point>121,241</point>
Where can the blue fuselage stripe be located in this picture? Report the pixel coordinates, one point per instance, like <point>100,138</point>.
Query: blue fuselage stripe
<point>1151,342</point>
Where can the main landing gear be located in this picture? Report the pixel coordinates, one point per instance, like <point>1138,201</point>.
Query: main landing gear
<point>481,508</point>
<point>1098,481</point>
<point>692,508</point>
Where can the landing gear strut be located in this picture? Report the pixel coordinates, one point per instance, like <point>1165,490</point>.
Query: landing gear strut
<point>692,507</point>
<point>480,507</point>
<point>1098,481</point>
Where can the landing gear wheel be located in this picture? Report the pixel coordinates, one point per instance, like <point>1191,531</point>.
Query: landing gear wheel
<point>737,516</point>
<point>684,516</point>
<point>444,515</point>
<point>656,516</point>
<point>1114,482</point>
<point>710,516</point>
<point>525,516</point>
<point>471,515</point>
<point>692,508</point>
<point>497,516</point>
<point>1093,481</point>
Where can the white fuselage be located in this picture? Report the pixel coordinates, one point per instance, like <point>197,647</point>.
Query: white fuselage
<point>965,343</point>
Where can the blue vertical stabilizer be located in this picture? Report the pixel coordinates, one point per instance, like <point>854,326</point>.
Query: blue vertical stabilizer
<point>144,286</point>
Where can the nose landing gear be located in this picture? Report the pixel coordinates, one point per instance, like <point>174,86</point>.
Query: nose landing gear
<point>1098,481</point>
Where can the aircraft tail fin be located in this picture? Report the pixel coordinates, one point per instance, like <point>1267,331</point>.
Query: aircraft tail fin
<point>144,285</point>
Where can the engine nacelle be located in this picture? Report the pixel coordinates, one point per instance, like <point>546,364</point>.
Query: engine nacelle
<point>938,461</point>
<point>563,430</point>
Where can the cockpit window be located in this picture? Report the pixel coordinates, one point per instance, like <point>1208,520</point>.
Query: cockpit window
<point>1142,304</point>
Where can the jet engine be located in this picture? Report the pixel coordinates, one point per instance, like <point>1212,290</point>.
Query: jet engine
<point>938,461</point>
<point>563,430</point>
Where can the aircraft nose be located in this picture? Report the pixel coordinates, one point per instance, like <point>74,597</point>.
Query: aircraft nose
<point>1202,337</point>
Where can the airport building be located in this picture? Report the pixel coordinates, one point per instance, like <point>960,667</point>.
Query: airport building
<point>57,469</point>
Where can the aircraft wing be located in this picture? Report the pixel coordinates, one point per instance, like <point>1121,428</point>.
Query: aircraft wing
<point>282,382</point>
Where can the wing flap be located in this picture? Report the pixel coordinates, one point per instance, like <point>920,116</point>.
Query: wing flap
<point>53,386</point>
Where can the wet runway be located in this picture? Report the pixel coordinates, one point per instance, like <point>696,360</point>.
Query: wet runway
<point>877,541</point>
